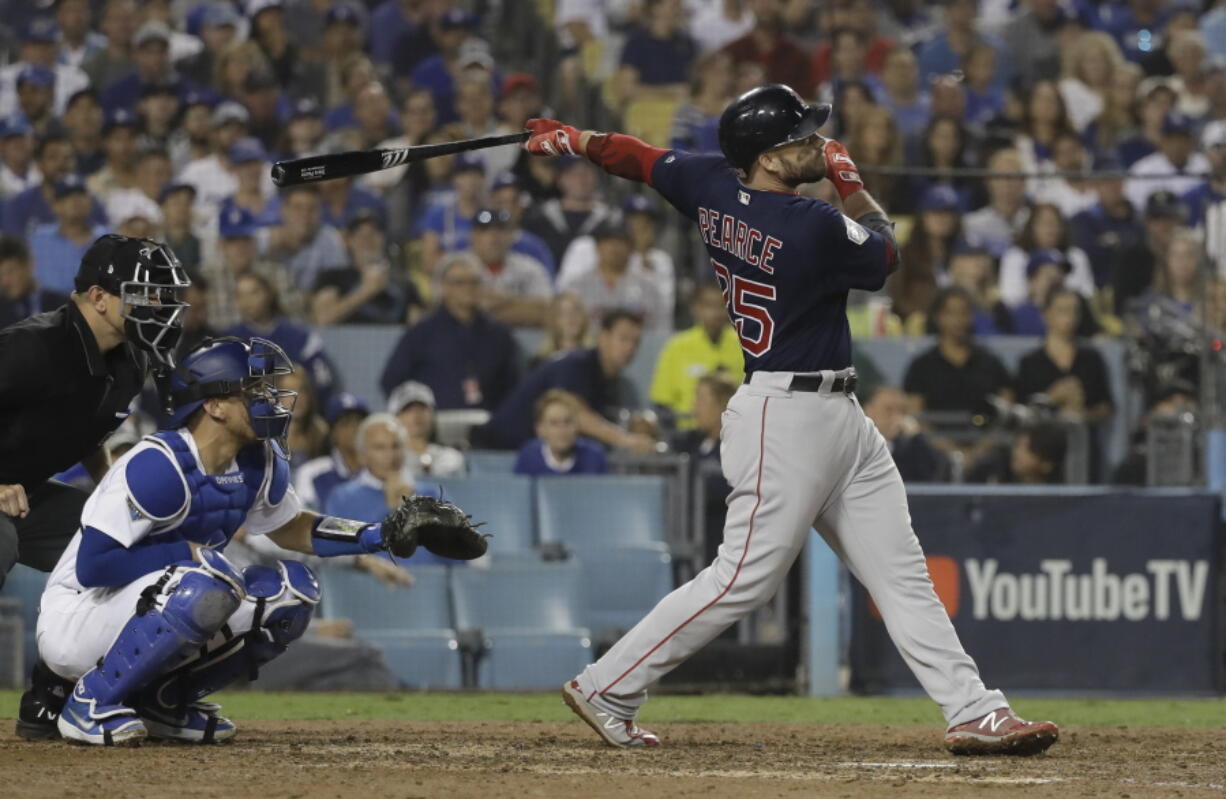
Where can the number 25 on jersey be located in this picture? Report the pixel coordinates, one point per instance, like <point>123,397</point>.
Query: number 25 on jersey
<point>739,296</point>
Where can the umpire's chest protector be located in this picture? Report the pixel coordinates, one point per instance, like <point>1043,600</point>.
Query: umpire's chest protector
<point>218,503</point>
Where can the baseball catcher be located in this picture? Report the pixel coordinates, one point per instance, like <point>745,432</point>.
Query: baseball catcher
<point>143,611</point>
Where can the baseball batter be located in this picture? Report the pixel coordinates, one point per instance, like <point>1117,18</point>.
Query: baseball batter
<point>143,611</point>
<point>796,448</point>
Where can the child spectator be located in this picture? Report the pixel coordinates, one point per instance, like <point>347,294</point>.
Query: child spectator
<point>558,448</point>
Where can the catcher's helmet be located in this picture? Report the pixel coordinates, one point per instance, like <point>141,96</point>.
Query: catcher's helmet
<point>227,366</point>
<point>764,118</point>
<point>149,280</point>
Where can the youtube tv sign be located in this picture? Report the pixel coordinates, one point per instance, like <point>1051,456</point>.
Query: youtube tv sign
<point>1088,590</point>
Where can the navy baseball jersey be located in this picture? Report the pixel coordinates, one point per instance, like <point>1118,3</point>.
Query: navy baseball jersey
<point>785,263</point>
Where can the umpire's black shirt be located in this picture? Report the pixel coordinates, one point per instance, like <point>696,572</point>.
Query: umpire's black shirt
<point>59,395</point>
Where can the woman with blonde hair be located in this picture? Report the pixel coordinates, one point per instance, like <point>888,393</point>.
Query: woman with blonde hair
<point>566,327</point>
<point>1086,77</point>
<point>234,64</point>
<point>1118,121</point>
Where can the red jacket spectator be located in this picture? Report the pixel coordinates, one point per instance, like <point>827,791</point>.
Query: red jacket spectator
<point>785,61</point>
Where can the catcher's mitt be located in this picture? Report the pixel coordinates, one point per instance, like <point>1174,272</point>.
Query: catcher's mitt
<point>438,525</point>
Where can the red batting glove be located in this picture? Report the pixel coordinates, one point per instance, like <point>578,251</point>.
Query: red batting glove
<point>841,170</point>
<point>551,137</point>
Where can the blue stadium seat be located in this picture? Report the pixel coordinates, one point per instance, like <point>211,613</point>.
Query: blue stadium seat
<point>621,584</point>
<point>26,585</point>
<point>602,511</point>
<point>530,616</point>
<point>482,461</point>
<point>412,625</point>
<point>504,503</point>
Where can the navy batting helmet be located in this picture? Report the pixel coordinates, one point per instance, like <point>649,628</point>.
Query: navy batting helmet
<point>227,366</point>
<point>764,118</point>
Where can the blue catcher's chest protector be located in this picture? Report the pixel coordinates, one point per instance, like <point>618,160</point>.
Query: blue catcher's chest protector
<point>218,503</point>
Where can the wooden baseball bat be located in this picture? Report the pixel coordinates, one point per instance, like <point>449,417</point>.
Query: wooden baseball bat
<point>315,168</point>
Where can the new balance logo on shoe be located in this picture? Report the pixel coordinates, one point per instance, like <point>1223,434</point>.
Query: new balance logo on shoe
<point>612,722</point>
<point>992,722</point>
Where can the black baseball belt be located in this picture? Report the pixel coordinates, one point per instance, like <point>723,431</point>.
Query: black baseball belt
<point>842,384</point>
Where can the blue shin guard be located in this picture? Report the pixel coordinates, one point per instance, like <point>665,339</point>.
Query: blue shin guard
<point>284,598</point>
<point>179,613</point>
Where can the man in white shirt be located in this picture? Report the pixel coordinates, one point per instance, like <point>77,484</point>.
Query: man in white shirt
<point>609,283</point>
<point>1178,166</point>
<point>516,288</point>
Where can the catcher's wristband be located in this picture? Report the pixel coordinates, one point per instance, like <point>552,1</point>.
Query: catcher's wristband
<point>332,536</point>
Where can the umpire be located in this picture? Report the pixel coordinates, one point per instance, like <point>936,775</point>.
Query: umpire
<point>67,379</point>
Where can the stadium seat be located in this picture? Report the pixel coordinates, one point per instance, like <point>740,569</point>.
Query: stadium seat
<point>621,584</point>
<point>482,461</point>
<point>607,510</point>
<point>26,585</point>
<point>504,503</point>
<point>530,618</point>
<point>412,625</point>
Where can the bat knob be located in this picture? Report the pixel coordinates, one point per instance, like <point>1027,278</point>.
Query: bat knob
<point>278,174</point>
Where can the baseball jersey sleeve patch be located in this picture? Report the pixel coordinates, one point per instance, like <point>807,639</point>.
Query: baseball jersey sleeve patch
<point>855,231</point>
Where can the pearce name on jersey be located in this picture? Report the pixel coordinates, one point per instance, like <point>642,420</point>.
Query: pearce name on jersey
<point>784,262</point>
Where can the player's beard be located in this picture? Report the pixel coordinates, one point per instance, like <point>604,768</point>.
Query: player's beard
<point>807,165</point>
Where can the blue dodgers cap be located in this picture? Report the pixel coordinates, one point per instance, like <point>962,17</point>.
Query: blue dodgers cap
<point>468,162</point>
<point>174,188</point>
<point>71,184</point>
<point>246,150</point>
<point>456,18</point>
<point>306,107</point>
<point>41,29</point>
<point>37,75</point>
<point>939,197</point>
<point>120,118</point>
<point>199,97</point>
<point>1046,255</point>
<point>505,180</point>
<point>344,403</point>
<point>15,125</point>
<point>217,15</point>
<point>638,204</point>
<point>1179,123</point>
<point>343,13</point>
<point>237,222</point>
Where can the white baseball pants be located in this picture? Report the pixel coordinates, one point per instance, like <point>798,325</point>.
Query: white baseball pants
<point>800,460</point>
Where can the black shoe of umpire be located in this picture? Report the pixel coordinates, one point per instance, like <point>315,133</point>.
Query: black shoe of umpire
<point>41,705</point>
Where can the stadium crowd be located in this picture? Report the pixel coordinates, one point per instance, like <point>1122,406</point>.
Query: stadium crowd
<point>1103,126</point>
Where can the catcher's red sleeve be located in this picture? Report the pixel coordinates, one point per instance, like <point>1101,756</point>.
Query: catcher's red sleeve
<point>624,156</point>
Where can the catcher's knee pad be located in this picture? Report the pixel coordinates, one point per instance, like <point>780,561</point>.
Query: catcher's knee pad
<point>178,613</point>
<point>284,597</point>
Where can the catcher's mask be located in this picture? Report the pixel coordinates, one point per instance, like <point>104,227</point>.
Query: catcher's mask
<point>149,281</point>
<point>229,366</point>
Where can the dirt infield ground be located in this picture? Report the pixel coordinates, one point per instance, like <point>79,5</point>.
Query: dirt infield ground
<point>400,760</point>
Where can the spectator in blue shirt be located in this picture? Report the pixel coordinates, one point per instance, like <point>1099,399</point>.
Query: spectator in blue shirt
<point>592,375</point>
<point>390,20</point>
<point>438,73</point>
<point>1045,272</point>
<point>507,196</point>
<point>151,55</point>
<point>303,242</point>
<point>57,247</point>
<point>656,59</point>
<point>261,316</point>
<point>20,296</point>
<point>446,225</point>
<point>948,50</point>
<point>466,358</point>
<point>558,448</point>
<point>315,479</point>
<point>54,157</point>
<point>903,94</point>
<point>1110,226</point>
<point>370,496</point>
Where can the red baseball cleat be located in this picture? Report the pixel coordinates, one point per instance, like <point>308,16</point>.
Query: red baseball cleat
<point>616,731</point>
<point>1001,732</point>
